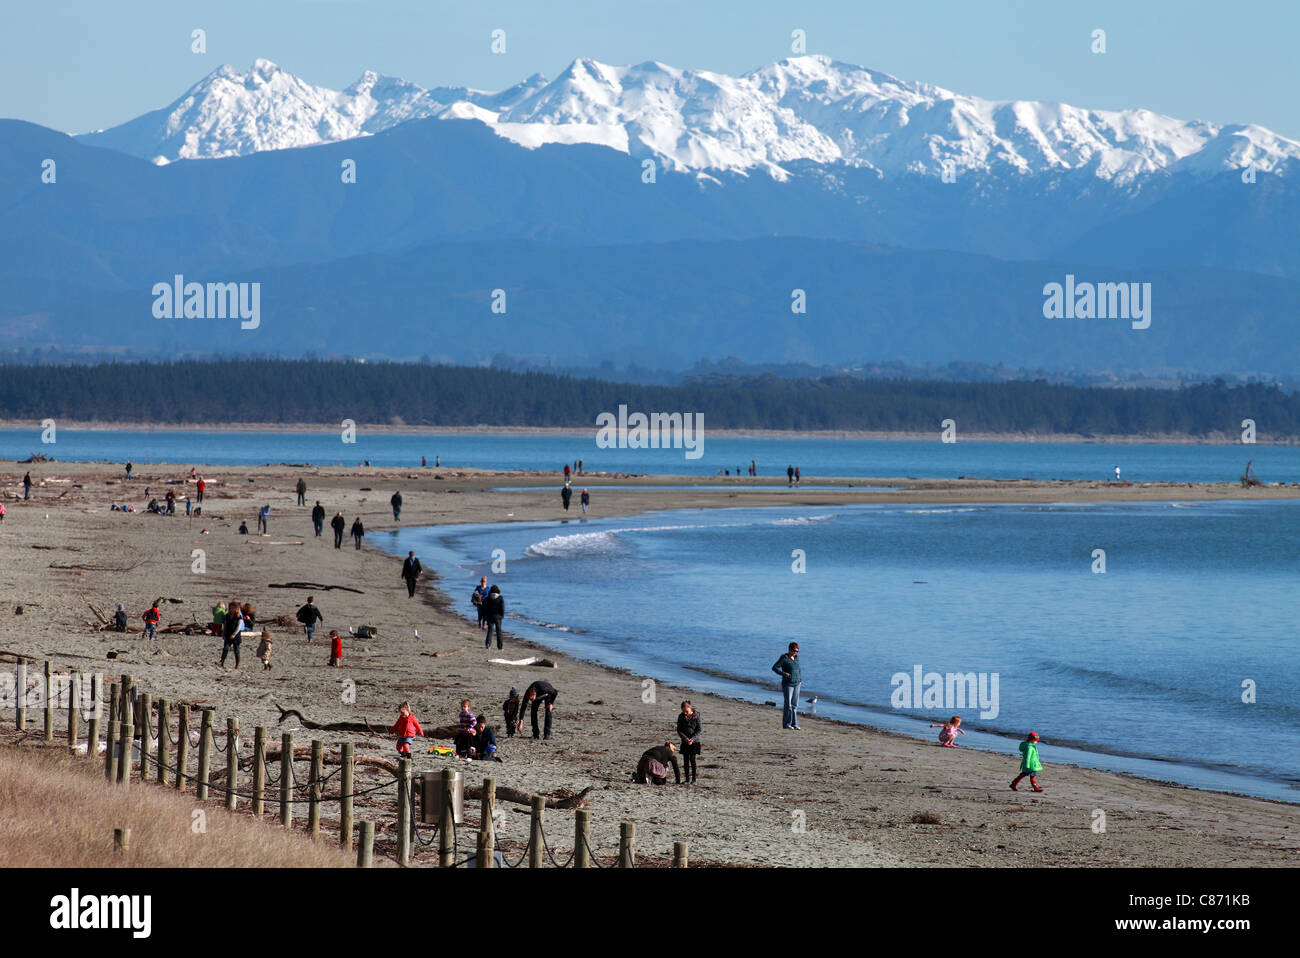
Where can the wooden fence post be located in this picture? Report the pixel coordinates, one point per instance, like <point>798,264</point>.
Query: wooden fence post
<point>49,703</point>
<point>627,845</point>
<point>232,763</point>
<point>313,810</point>
<point>126,740</point>
<point>680,855</point>
<point>205,754</point>
<point>259,770</point>
<point>365,845</point>
<point>182,744</point>
<point>74,711</point>
<point>345,799</point>
<point>581,836</point>
<point>121,839</point>
<point>446,821</point>
<point>535,834</point>
<point>146,716</point>
<point>20,709</point>
<point>92,720</point>
<point>124,697</point>
<point>403,810</point>
<point>486,830</point>
<point>110,759</point>
<point>286,779</point>
<point>164,740</point>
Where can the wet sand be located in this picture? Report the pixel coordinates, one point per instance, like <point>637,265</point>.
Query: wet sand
<point>863,797</point>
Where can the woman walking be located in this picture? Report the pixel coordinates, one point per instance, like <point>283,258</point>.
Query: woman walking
<point>358,530</point>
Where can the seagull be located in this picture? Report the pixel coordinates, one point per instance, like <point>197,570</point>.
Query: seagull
<point>417,633</point>
<point>351,631</point>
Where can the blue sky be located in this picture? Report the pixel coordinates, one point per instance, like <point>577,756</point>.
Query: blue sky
<point>77,65</point>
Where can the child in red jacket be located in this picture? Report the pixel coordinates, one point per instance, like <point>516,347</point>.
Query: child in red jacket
<point>406,728</point>
<point>336,648</point>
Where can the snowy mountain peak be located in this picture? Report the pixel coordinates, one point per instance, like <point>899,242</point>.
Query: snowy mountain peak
<point>800,109</point>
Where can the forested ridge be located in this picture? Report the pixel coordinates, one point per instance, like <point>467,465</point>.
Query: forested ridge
<point>308,391</point>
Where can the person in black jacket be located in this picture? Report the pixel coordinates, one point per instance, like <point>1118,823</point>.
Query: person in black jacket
<point>494,610</point>
<point>565,495</point>
<point>511,708</point>
<point>358,530</point>
<point>338,523</point>
<point>411,570</point>
<point>318,518</point>
<point>688,730</point>
<point>309,615</point>
<point>656,774</point>
<point>485,741</point>
<point>539,693</point>
<point>396,503</point>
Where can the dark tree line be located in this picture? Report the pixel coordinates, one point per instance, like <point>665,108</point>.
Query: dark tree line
<point>307,391</point>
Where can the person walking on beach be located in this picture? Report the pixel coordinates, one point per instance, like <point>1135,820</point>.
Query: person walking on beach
<point>232,628</point>
<point>652,769</point>
<point>309,616</point>
<point>336,648</point>
<point>580,467</point>
<point>396,503</point>
<point>264,650</point>
<point>478,598</point>
<point>128,473</point>
<point>405,728</point>
<point>411,570</point>
<point>688,730</point>
<point>787,666</point>
<point>318,518</point>
<point>753,467</point>
<point>27,486</point>
<point>302,491</point>
<point>586,501</point>
<point>511,709</point>
<point>201,487</point>
<point>1029,763</point>
<point>358,530</point>
<point>537,694</point>
<point>566,473</point>
<point>1117,473</point>
<point>797,477</point>
<point>565,495</point>
<point>338,524</point>
<point>151,619</point>
<point>789,475</point>
<point>494,610</point>
<point>949,731</point>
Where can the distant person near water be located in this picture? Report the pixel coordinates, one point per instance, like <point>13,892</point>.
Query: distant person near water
<point>201,486</point>
<point>949,731</point>
<point>1029,762</point>
<point>27,486</point>
<point>566,472</point>
<point>396,503</point>
<point>302,492</point>
<point>789,475</point>
<point>263,515</point>
<point>796,475</point>
<point>358,530</point>
<point>338,524</point>
<point>477,598</point>
<point>586,501</point>
<point>411,570</point>
<point>787,666</point>
<point>494,610</point>
<point>1117,473</point>
<point>128,470</point>
<point>565,495</point>
<point>318,518</point>
<point>310,616</point>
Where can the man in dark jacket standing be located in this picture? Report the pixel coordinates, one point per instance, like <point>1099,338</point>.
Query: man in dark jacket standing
<point>302,492</point>
<point>565,495</point>
<point>318,518</point>
<point>338,525</point>
<point>411,570</point>
<point>396,503</point>
<point>494,610</point>
<point>787,666</point>
<point>539,693</point>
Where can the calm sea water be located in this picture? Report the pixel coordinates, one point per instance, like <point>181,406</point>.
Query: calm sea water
<point>815,457</point>
<point>1142,667</point>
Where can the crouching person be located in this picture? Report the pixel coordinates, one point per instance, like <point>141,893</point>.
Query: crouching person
<point>653,767</point>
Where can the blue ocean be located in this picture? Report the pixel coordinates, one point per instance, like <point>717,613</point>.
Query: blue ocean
<point>1171,653</point>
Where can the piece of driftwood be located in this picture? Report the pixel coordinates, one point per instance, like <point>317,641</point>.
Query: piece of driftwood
<point>445,731</point>
<point>99,615</point>
<point>531,660</point>
<point>561,798</point>
<point>1248,478</point>
<point>313,587</point>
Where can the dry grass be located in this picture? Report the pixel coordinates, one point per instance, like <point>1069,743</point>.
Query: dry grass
<point>58,811</point>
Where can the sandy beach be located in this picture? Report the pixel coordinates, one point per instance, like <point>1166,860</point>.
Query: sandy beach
<point>867,797</point>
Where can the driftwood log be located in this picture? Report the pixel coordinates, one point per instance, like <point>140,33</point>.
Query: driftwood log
<point>313,587</point>
<point>445,731</point>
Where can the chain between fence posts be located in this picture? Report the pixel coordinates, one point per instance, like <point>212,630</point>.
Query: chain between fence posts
<point>345,803</point>
<point>182,744</point>
<point>164,739</point>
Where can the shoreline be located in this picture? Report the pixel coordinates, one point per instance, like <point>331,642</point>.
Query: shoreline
<point>585,431</point>
<point>861,789</point>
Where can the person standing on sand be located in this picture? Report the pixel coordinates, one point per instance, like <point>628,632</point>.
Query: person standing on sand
<point>688,730</point>
<point>406,728</point>
<point>1029,762</point>
<point>537,694</point>
<point>566,473</point>
<point>264,650</point>
<point>494,610</point>
<point>318,518</point>
<point>336,648</point>
<point>128,470</point>
<point>396,503</point>
<point>511,709</point>
<point>586,501</point>
<point>789,475</point>
<point>27,486</point>
<point>338,524</point>
<point>302,491</point>
<point>232,628</point>
<point>309,615</point>
<point>201,486</point>
<point>1117,473</point>
<point>411,570</point>
<point>565,495</point>
<point>797,477</point>
<point>358,530</point>
<point>477,598</point>
<point>787,666</point>
<point>151,619</point>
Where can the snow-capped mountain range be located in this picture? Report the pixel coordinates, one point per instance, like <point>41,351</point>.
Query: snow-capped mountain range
<point>807,109</point>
